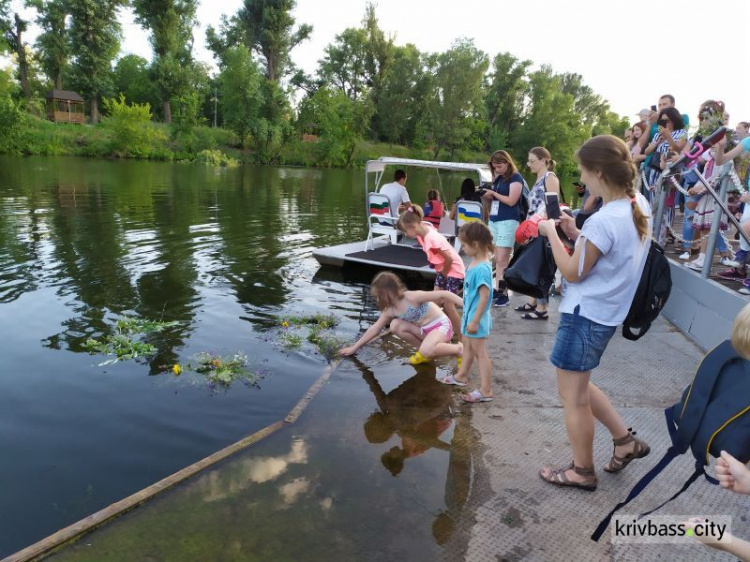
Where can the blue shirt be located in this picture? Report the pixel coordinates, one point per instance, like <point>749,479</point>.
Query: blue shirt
<point>480,274</point>
<point>502,186</point>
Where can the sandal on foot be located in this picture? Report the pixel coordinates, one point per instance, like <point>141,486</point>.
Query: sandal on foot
<point>558,478</point>
<point>450,379</point>
<point>476,396</point>
<point>526,307</point>
<point>535,315</point>
<point>616,464</point>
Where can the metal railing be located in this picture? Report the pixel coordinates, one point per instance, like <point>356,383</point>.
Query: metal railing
<point>725,182</point>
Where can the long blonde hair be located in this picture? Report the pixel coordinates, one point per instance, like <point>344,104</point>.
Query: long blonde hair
<point>387,289</point>
<point>412,215</point>
<point>610,156</point>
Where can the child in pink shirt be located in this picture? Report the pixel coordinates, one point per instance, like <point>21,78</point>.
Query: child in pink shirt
<point>442,256</point>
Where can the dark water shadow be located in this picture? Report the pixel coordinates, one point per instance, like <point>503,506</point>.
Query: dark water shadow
<point>383,470</point>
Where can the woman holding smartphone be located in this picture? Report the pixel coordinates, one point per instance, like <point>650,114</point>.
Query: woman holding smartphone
<point>601,278</point>
<point>541,164</point>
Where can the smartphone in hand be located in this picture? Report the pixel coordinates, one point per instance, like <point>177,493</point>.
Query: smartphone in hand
<point>553,205</point>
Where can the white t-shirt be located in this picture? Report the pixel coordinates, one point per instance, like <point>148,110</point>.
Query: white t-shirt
<point>397,194</point>
<point>606,293</point>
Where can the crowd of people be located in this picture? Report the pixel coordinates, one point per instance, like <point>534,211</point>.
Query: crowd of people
<point>662,135</point>
<point>600,252</point>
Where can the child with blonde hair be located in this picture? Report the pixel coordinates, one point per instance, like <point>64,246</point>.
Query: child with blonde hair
<point>448,265</point>
<point>731,473</point>
<point>476,323</point>
<point>414,316</point>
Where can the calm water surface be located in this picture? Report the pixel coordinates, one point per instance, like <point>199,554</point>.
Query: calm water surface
<point>225,253</point>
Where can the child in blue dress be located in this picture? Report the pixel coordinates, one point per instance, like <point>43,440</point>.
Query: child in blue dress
<point>476,322</point>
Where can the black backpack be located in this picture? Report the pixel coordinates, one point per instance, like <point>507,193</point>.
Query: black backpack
<point>523,201</point>
<point>651,295</point>
<point>713,415</point>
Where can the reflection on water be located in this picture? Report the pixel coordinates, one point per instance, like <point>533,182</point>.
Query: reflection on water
<point>418,411</point>
<point>219,485</point>
<point>323,492</point>
<point>223,253</point>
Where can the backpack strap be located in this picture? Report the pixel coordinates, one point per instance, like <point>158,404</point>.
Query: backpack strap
<point>699,470</point>
<point>689,419</point>
<point>671,453</point>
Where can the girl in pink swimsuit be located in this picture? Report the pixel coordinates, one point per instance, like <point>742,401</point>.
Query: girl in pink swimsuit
<point>414,317</point>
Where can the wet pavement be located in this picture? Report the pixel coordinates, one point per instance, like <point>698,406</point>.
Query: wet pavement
<point>386,464</point>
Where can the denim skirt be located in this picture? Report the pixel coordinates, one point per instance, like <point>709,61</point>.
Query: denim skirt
<point>579,343</point>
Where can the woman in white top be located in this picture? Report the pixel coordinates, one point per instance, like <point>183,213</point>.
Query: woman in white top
<point>541,164</point>
<point>601,279</point>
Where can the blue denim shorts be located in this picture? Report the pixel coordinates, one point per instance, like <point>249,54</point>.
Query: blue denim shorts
<point>579,343</point>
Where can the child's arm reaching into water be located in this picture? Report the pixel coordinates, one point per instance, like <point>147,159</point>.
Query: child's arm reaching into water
<point>368,336</point>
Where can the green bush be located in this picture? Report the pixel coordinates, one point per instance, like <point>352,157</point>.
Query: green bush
<point>216,158</point>
<point>133,134</point>
<point>11,123</point>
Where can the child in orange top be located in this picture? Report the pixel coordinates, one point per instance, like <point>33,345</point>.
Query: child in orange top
<point>442,256</point>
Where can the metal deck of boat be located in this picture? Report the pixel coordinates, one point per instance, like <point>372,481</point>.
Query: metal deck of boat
<point>402,257</point>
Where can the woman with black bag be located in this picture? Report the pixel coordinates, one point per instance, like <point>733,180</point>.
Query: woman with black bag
<point>601,278</point>
<point>541,164</point>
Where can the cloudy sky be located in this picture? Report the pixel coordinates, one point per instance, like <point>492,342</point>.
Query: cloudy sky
<point>629,52</point>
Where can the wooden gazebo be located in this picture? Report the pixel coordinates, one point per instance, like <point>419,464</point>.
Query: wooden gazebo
<point>64,106</point>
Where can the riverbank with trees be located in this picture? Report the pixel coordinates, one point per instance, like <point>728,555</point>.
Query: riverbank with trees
<point>368,96</point>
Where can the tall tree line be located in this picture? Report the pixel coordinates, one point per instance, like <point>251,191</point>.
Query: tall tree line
<point>365,87</point>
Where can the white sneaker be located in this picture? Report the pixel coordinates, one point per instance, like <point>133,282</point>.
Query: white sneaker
<point>729,262</point>
<point>696,264</point>
<point>684,256</point>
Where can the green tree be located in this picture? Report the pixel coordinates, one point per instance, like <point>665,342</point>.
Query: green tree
<point>266,26</point>
<point>340,122</point>
<point>343,65</point>
<point>398,104</point>
<point>53,43</point>
<point>504,98</point>
<point>378,58</point>
<point>240,83</point>
<point>12,28</point>
<point>358,60</point>
<point>131,79</point>
<point>171,23</point>
<point>95,41</point>
<point>457,95</point>
<point>551,121</point>
<point>587,104</point>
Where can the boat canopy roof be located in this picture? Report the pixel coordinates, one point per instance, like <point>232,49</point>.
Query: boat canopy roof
<point>380,164</point>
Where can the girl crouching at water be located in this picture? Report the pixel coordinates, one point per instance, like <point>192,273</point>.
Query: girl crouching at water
<point>442,256</point>
<point>601,279</point>
<point>414,316</point>
<point>476,323</point>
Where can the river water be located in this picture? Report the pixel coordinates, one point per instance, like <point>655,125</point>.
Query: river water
<point>224,253</point>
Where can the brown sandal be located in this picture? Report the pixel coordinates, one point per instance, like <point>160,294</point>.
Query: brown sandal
<point>558,478</point>
<point>616,464</point>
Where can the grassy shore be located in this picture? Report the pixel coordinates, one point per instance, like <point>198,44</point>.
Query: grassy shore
<point>44,138</point>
